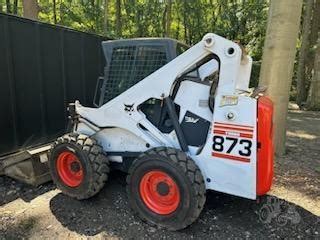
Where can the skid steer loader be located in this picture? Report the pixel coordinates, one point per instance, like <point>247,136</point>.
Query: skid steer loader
<point>178,125</point>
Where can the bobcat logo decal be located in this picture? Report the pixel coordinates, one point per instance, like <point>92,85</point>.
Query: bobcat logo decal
<point>128,107</point>
<point>191,119</point>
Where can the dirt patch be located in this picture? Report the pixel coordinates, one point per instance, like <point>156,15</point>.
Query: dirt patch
<point>293,206</point>
<point>298,173</point>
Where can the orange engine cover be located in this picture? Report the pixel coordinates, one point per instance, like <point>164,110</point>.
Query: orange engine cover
<point>265,145</point>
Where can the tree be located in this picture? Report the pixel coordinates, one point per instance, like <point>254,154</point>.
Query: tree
<point>167,18</point>
<point>15,7</point>
<point>8,5</point>
<point>315,29</point>
<point>30,9</point>
<point>54,11</point>
<point>303,54</point>
<point>315,26</point>
<point>278,60</point>
<point>118,18</point>
<point>105,17</point>
<point>314,103</point>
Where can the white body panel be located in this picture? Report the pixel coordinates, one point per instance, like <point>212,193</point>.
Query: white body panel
<point>236,177</point>
<point>124,132</point>
<point>244,75</point>
<point>119,140</point>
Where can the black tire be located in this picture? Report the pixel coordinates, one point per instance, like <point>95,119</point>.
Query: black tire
<point>185,174</point>
<point>92,160</point>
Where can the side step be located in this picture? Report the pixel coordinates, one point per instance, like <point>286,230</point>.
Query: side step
<point>29,166</point>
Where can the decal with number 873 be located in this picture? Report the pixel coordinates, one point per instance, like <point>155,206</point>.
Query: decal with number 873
<point>233,142</point>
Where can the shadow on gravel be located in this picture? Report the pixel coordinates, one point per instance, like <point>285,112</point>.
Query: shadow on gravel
<point>223,216</point>
<point>11,190</point>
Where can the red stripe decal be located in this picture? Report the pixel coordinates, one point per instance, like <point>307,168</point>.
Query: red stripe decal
<point>231,157</point>
<point>233,128</point>
<point>245,135</point>
<point>235,125</point>
<point>219,132</point>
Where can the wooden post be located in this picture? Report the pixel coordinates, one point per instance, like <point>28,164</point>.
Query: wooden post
<point>278,61</point>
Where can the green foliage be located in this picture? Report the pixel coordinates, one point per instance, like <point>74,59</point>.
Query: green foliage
<point>243,20</point>
<point>240,20</point>
<point>82,15</point>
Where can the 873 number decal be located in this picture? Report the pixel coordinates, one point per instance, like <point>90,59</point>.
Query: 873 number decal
<point>228,144</point>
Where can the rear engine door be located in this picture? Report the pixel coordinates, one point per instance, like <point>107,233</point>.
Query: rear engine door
<point>229,157</point>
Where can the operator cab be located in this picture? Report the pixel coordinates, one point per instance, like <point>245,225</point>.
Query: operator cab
<point>130,61</point>
<point>199,84</point>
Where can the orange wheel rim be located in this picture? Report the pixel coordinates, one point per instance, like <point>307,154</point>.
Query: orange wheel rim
<point>69,169</point>
<point>159,192</point>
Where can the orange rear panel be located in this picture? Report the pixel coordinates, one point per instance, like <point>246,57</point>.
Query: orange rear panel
<point>265,145</point>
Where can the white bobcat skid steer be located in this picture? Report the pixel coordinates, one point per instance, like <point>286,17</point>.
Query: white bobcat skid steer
<point>178,124</point>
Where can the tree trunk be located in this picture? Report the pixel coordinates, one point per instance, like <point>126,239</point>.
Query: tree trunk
<point>8,5</point>
<point>15,7</point>
<point>185,25</point>
<point>168,18</point>
<point>315,29</point>
<point>315,25</point>
<point>314,103</point>
<point>61,13</point>
<point>177,8</point>
<point>105,17</point>
<point>54,11</point>
<point>303,54</point>
<point>164,21</point>
<point>30,9</point>
<point>118,18</point>
<point>278,60</point>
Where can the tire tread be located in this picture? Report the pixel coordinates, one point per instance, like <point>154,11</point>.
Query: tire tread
<point>96,156</point>
<point>188,167</point>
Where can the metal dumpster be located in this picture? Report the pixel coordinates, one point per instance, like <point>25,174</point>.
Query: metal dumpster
<point>43,67</point>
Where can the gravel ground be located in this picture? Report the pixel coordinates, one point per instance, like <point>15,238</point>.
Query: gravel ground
<point>43,212</point>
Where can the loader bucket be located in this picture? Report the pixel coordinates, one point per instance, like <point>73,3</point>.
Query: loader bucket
<point>27,166</point>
